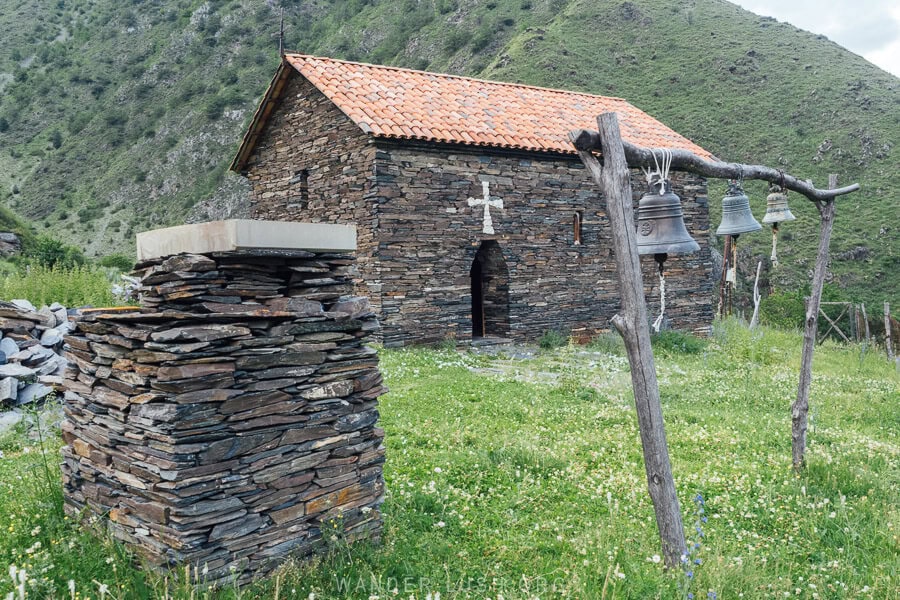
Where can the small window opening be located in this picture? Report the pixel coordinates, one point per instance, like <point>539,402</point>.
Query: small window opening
<point>576,227</point>
<point>301,181</point>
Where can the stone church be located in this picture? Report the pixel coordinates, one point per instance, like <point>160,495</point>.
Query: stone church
<point>475,218</point>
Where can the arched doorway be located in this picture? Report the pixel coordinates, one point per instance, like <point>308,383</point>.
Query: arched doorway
<point>490,291</point>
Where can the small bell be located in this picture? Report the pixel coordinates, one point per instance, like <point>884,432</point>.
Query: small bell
<point>736,215</point>
<point>777,210</point>
<point>660,224</point>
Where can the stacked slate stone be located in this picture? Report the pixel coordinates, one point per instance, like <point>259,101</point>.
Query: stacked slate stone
<point>233,416</point>
<point>31,365</point>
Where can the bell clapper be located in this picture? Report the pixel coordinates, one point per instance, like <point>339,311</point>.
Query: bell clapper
<point>660,263</point>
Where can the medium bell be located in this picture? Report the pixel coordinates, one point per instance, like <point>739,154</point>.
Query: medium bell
<point>777,210</point>
<point>660,224</point>
<point>736,215</point>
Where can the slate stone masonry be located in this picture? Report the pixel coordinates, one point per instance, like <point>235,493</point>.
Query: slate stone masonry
<point>228,419</point>
<point>418,237</point>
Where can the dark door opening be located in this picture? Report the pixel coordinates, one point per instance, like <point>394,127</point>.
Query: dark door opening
<point>490,291</point>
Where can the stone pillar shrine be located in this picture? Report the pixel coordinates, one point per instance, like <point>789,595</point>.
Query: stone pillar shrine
<point>234,412</point>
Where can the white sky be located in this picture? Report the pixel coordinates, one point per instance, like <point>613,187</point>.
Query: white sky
<point>870,28</point>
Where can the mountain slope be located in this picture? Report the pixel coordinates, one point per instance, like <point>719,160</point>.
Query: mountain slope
<point>118,117</point>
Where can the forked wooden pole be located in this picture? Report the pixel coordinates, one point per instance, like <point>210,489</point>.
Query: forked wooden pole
<point>587,141</point>
<point>800,409</point>
<point>632,324</point>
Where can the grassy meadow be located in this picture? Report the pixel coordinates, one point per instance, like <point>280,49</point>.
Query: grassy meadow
<point>523,478</point>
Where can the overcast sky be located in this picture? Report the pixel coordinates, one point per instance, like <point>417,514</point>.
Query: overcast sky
<point>870,28</point>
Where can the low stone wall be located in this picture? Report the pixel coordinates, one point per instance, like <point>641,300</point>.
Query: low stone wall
<point>222,423</point>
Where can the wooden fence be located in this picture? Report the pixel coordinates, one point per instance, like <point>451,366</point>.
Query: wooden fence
<point>849,321</point>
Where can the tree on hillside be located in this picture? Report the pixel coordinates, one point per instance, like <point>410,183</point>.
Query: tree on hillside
<point>50,252</point>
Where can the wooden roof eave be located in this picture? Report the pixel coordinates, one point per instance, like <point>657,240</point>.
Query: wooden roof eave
<point>261,117</point>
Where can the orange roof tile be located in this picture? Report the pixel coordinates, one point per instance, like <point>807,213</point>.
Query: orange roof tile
<point>401,103</point>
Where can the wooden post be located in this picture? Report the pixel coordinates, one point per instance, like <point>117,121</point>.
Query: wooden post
<point>866,322</point>
<point>888,342</point>
<point>757,297</point>
<point>632,325</point>
<point>800,409</point>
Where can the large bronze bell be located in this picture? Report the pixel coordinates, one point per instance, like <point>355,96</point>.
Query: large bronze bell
<point>660,224</point>
<point>777,210</point>
<point>736,215</point>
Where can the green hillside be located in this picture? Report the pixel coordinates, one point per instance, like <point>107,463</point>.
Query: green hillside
<point>116,117</point>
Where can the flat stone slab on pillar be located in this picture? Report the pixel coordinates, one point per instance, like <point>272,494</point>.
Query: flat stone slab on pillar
<point>241,234</point>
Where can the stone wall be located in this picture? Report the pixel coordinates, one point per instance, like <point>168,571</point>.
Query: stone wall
<point>229,419</point>
<point>313,164</point>
<point>428,238</point>
<point>418,237</point>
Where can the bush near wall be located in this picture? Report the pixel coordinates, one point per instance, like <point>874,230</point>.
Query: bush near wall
<point>787,310</point>
<point>70,286</point>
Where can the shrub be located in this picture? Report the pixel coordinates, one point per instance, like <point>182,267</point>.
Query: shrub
<point>483,37</point>
<point>787,310</point>
<point>608,343</point>
<point>737,342</point>
<point>455,40</point>
<point>677,342</point>
<point>50,252</point>
<point>71,286</point>
<point>783,311</point>
<point>117,261</point>
<point>448,344</point>
<point>553,339</point>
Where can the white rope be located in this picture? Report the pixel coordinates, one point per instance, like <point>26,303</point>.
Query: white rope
<point>660,173</point>
<point>667,164</point>
<point>649,174</point>
<point>774,256</point>
<point>662,301</point>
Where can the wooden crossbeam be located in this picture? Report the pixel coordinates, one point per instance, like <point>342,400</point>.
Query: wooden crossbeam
<point>834,325</point>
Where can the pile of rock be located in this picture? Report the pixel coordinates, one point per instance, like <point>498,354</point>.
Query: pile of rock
<point>232,415</point>
<point>31,340</point>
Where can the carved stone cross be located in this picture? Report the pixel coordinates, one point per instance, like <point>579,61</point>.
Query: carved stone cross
<point>487,203</point>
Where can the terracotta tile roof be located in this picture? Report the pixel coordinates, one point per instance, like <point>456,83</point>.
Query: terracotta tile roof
<point>390,102</point>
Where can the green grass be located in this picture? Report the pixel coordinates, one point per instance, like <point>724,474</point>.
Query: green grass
<point>71,287</point>
<point>497,487</point>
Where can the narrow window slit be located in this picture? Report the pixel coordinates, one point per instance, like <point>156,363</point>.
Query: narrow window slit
<point>301,182</point>
<point>576,227</point>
